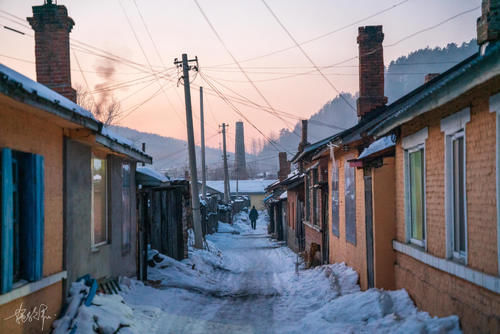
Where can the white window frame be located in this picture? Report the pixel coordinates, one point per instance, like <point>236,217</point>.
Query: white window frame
<point>495,107</point>
<point>92,236</point>
<point>453,127</point>
<point>413,143</point>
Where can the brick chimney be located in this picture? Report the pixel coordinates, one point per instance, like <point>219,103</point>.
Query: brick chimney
<point>284,166</point>
<point>371,69</point>
<point>430,76</point>
<point>488,25</point>
<point>303,142</point>
<point>52,26</point>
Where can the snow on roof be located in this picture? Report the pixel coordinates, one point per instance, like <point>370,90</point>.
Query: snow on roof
<point>284,195</point>
<point>257,186</point>
<point>119,139</point>
<point>43,91</point>
<point>152,173</point>
<point>378,145</point>
<point>48,94</point>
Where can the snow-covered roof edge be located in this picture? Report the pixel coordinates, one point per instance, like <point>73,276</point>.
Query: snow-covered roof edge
<point>152,173</point>
<point>378,145</point>
<point>77,114</point>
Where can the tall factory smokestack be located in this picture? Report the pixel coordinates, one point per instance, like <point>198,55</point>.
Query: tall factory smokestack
<point>52,26</point>
<point>240,161</point>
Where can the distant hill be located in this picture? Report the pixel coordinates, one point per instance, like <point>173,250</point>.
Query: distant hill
<point>402,76</point>
<point>408,72</point>
<point>334,116</point>
<point>169,154</point>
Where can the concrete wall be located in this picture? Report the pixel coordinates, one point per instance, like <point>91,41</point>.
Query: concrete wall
<point>435,291</point>
<point>81,259</point>
<point>106,260</point>
<point>24,129</point>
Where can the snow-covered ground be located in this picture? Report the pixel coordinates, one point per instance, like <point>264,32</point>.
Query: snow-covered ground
<point>246,283</point>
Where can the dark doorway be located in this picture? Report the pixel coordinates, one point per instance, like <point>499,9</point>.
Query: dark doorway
<point>369,227</point>
<point>299,228</point>
<point>324,228</point>
<point>279,222</point>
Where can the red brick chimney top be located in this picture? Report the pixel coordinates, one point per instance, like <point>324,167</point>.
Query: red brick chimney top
<point>371,69</point>
<point>430,76</point>
<point>488,24</point>
<point>284,166</point>
<point>52,26</point>
<point>303,141</point>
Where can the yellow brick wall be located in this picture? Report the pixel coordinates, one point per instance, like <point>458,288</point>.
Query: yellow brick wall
<point>432,290</point>
<point>22,129</point>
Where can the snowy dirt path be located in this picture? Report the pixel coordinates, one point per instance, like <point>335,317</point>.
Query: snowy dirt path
<point>248,283</point>
<point>247,287</point>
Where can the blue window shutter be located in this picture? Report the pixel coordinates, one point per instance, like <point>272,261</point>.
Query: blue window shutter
<point>39,216</point>
<point>32,215</point>
<point>7,223</point>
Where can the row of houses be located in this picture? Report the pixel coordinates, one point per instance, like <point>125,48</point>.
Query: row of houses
<point>73,201</point>
<point>410,196</point>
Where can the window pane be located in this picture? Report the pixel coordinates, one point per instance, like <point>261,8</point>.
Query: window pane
<point>308,204</point>
<point>99,181</point>
<point>417,195</point>
<point>459,194</point>
<point>350,203</point>
<point>17,220</point>
<point>315,194</point>
<point>126,225</point>
<point>335,200</point>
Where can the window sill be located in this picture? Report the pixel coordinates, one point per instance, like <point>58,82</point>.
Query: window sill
<point>97,247</point>
<point>29,288</point>
<point>314,227</point>
<point>481,279</point>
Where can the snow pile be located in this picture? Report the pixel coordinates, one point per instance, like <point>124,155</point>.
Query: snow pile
<point>106,314</point>
<point>241,224</point>
<point>247,283</point>
<point>374,311</point>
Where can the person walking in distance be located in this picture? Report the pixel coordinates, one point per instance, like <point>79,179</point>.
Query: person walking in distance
<point>253,217</point>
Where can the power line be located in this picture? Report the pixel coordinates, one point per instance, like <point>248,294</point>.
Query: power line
<point>240,113</point>
<point>236,61</point>
<point>307,56</point>
<point>325,34</point>
<point>147,60</point>
<point>156,48</point>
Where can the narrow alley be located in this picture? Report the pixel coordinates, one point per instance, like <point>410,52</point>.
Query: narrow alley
<point>245,282</point>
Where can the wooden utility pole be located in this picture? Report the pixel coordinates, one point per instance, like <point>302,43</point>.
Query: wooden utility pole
<point>144,150</point>
<point>227,197</point>
<point>195,197</point>
<point>203,166</point>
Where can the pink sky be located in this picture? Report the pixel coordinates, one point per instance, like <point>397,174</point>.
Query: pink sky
<point>248,30</point>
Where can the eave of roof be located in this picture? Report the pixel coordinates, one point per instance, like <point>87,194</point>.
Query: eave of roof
<point>471,72</point>
<point>11,84</point>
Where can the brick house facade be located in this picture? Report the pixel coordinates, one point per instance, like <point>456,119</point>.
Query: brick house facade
<point>447,186</point>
